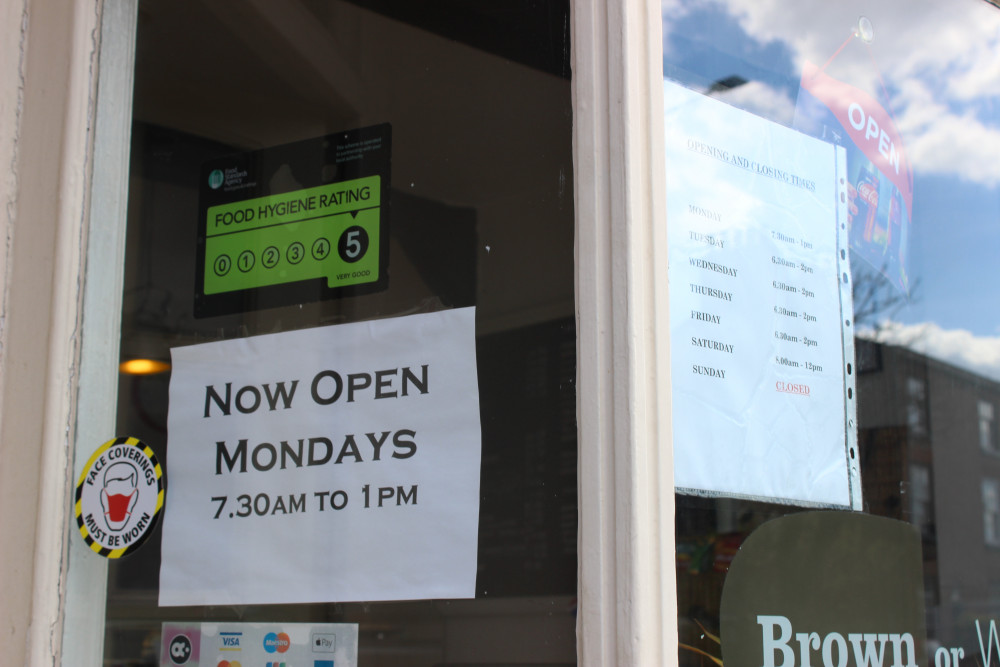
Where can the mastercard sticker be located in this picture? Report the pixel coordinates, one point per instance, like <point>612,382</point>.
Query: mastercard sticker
<point>119,497</point>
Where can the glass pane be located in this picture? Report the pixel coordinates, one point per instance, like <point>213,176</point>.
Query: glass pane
<point>478,99</point>
<point>924,276</point>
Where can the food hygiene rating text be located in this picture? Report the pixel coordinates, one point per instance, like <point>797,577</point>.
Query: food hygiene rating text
<point>327,387</point>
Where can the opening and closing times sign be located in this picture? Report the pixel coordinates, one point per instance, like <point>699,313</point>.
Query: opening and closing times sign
<point>760,305</point>
<point>296,223</point>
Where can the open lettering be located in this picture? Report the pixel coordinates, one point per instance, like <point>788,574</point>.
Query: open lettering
<point>327,387</point>
<point>862,122</point>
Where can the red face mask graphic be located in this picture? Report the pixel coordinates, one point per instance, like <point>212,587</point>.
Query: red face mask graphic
<point>119,495</point>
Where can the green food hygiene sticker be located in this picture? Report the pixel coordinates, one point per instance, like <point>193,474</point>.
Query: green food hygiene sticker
<point>295,223</point>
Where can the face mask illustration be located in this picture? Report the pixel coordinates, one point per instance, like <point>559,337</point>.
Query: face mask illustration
<point>119,495</point>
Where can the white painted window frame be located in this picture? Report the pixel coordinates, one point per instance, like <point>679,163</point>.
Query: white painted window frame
<point>627,588</point>
<point>627,582</point>
<point>48,79</point>
<point>86,589</point>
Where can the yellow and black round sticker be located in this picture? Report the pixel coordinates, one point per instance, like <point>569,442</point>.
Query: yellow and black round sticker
<point>119,497</point>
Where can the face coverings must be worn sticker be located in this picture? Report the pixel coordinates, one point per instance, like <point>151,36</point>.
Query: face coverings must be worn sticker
<point>118,497</point>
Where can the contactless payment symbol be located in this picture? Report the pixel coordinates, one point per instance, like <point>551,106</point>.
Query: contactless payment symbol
<point>119,497</point>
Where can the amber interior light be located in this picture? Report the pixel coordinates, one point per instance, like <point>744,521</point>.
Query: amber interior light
<point>143,367</point>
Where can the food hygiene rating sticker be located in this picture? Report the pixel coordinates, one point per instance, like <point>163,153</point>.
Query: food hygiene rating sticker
<point>119,497</point>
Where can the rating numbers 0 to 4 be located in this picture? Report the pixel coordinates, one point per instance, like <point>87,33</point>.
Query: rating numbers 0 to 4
<point>351,247</point>
<point>263,504</point>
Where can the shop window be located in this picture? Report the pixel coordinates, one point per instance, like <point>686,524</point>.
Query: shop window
<point>916,406</point>
<point>988,436</point>
<point>924,342</point>
<point>459,116</point>
<point>921,508</point>
<point>991,512</point>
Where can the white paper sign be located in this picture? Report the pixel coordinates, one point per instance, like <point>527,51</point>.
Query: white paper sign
<point>757,345</point>
<point>330,464</point>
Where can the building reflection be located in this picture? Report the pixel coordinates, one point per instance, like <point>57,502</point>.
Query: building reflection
<point>930,455</point>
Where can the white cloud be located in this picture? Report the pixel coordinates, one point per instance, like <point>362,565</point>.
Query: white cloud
<point>761,99</point>
<point>941,59</point>
<point>960,145</point>
<point>977,354</point>
<point>943,142</point>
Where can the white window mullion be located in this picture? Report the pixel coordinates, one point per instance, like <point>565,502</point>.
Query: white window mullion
<point>627,580</point>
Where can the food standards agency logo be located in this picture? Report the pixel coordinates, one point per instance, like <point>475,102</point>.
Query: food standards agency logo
<point>215,179</point>
<point>119,497</point>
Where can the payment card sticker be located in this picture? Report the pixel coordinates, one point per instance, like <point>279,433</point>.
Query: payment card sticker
<point>259,645</point>
<point>292,224</point>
